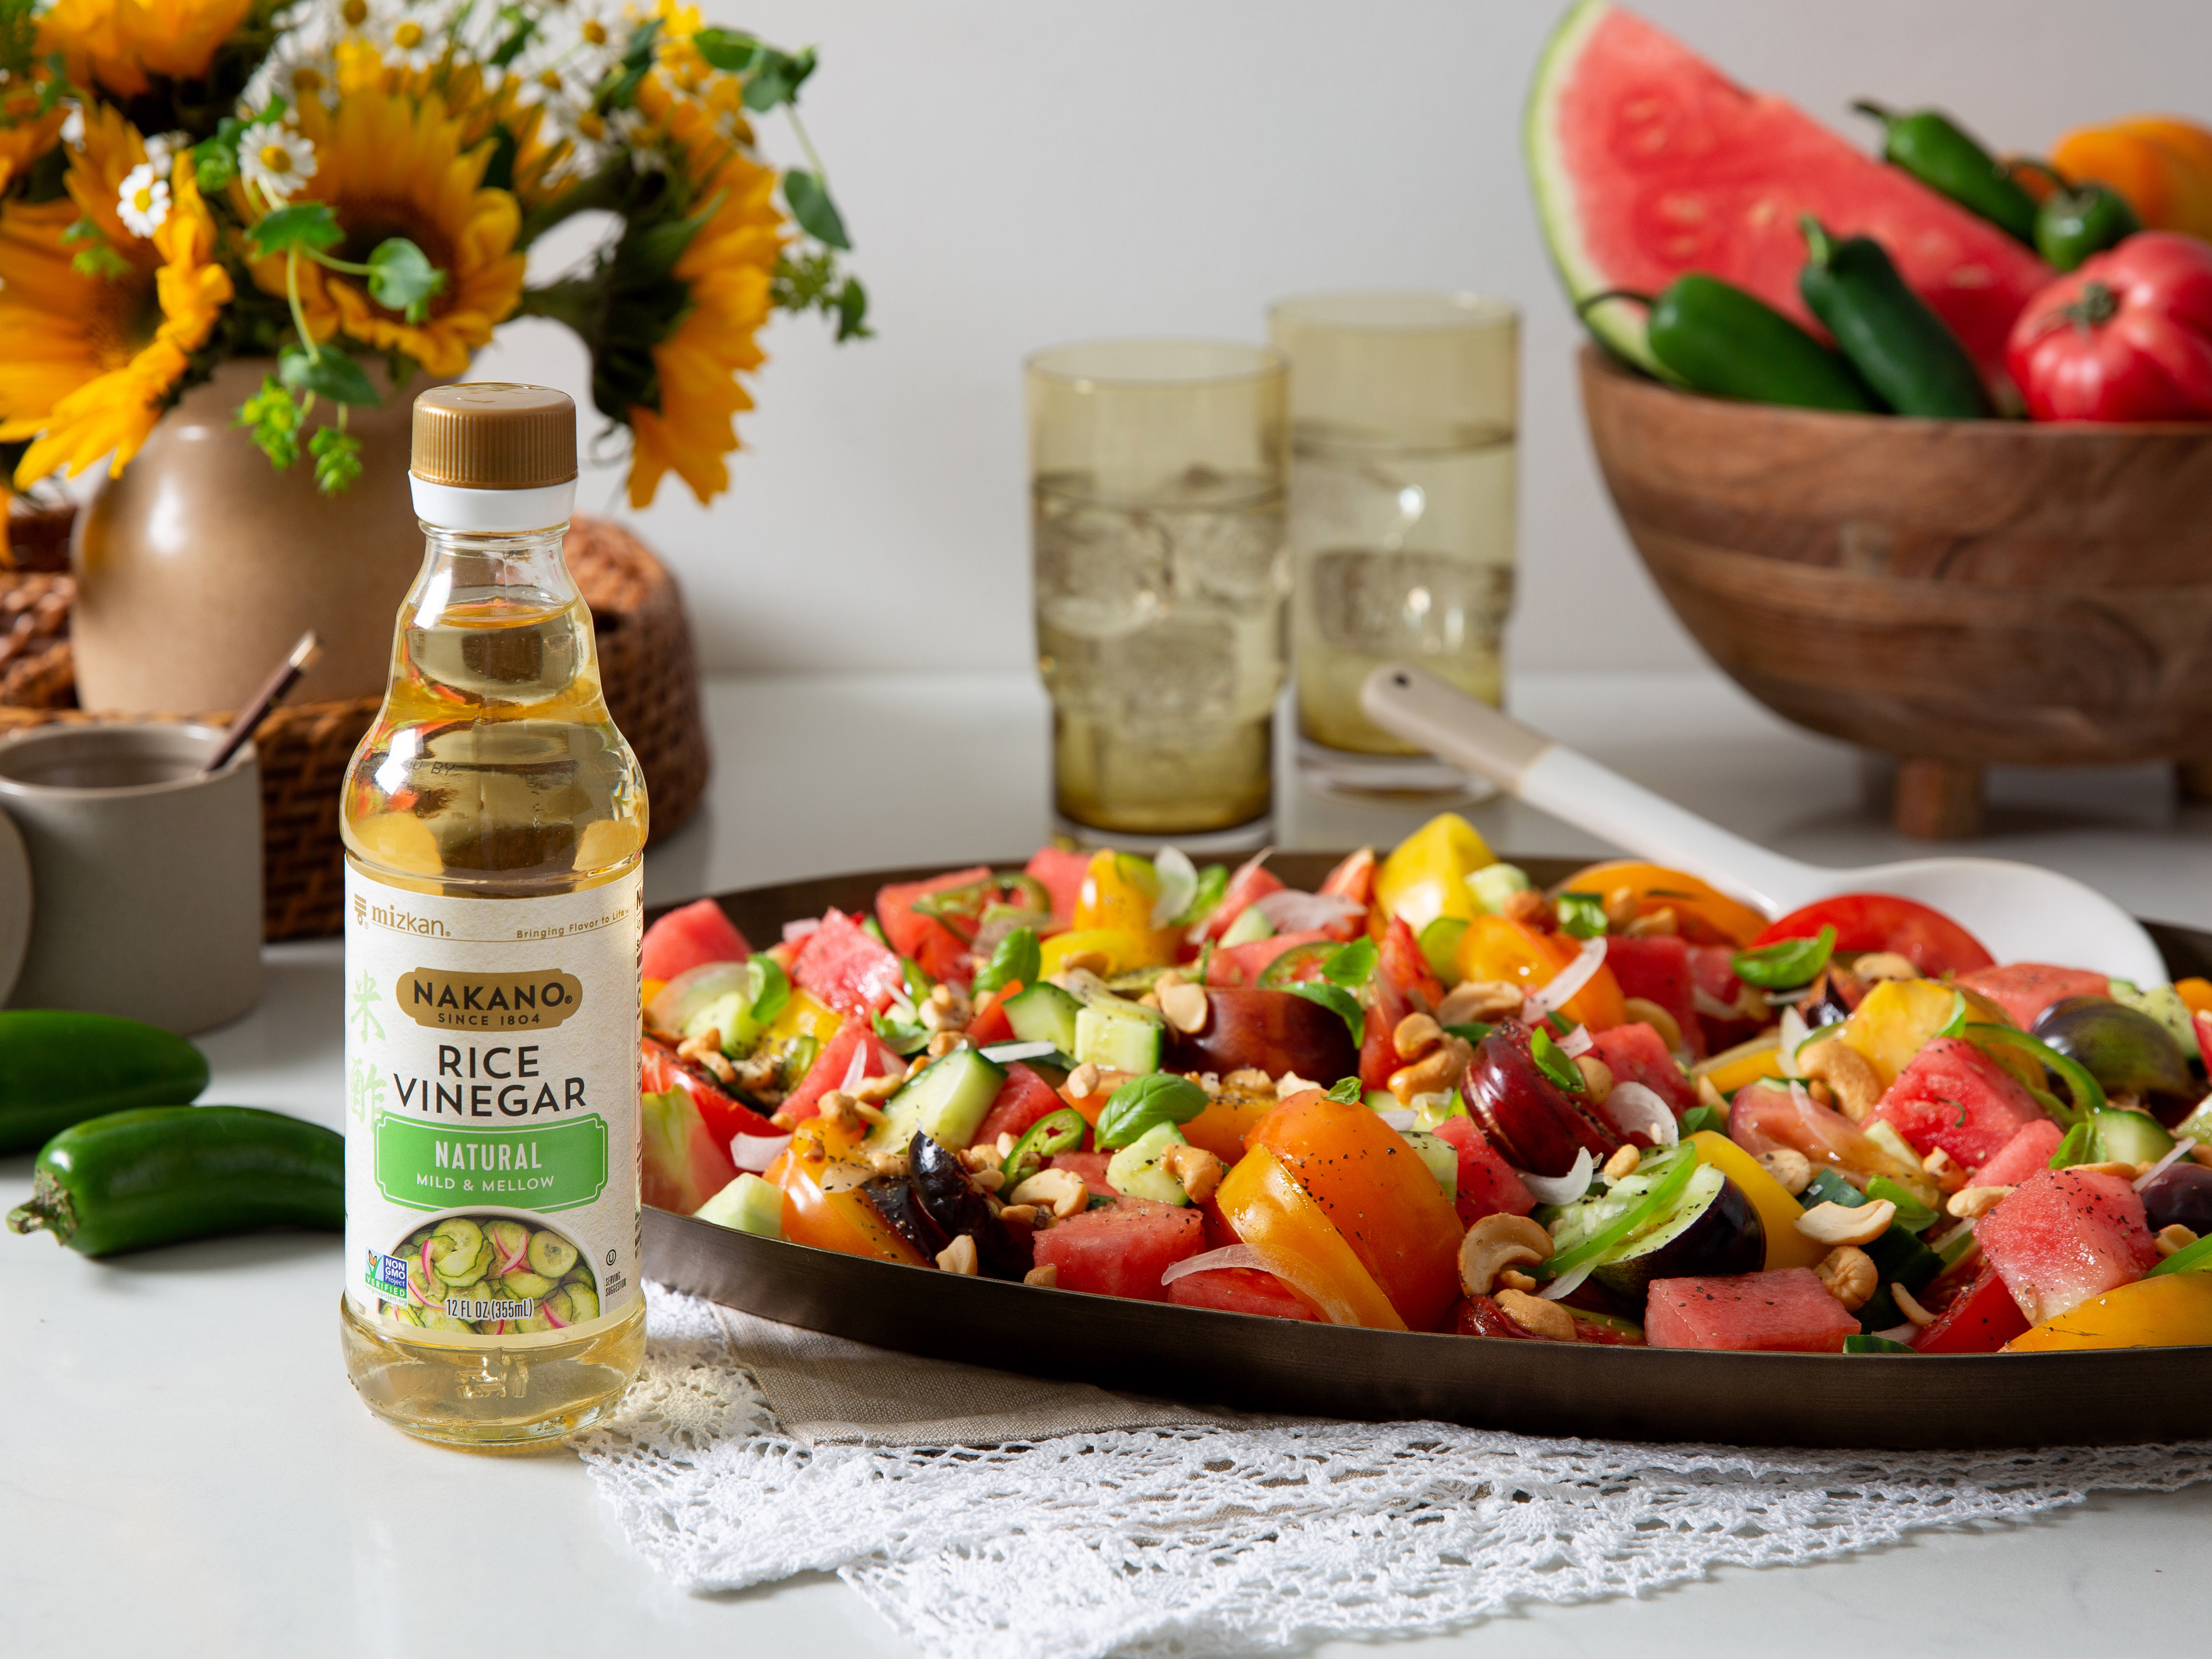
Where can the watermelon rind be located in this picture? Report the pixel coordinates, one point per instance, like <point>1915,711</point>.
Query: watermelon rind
<point>1619,323</point>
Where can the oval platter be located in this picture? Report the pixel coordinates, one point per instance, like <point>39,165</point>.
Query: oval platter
<point>2128,1396</point>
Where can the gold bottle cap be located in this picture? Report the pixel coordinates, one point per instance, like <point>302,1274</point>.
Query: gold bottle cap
<point>493,434</point>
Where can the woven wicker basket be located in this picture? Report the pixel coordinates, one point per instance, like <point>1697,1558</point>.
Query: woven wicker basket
<point>646,661</point>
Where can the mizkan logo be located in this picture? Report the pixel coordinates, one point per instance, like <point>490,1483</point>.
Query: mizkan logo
<point>535,1000</point>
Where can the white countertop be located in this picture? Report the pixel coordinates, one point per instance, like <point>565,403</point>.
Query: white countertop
<point>185,1471</point>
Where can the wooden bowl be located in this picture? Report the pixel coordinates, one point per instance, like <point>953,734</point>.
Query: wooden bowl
<point>1954,593</point>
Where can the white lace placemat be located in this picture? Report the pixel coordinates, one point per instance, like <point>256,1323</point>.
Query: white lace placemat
<point>1202,1541</point>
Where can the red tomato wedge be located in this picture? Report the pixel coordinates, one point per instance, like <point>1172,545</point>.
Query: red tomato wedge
<point>1927,938</point>
<point>927,940</point>
<point>687,936</point>
<point>725,1117</point>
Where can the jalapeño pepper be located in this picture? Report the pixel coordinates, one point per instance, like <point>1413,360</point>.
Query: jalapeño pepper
<point>1899,346</point>
<point>1927,144</point>
<point>1716,338</point>
<point>165,1174</point>
<point>2076,221</point>
<point>59,1068</point>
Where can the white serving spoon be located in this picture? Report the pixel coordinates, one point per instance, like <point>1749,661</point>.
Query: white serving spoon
<point>2021,912</point>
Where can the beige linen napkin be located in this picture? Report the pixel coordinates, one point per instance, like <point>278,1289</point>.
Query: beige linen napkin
<point>828,1391</point>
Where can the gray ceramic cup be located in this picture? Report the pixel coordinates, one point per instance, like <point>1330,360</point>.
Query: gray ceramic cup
<point>145,877</point>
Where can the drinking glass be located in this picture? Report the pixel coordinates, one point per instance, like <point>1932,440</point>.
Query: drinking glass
<point>1401,517</point>
<point>1156,500</point>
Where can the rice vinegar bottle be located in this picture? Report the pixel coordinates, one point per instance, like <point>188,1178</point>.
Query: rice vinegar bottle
<point>495,825</point>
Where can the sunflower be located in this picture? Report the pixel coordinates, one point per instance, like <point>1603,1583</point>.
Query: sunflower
<point>119,45</point>
<point>26,135</point>
<point>393,165</point>
<point>537,169</point>
<point>725,268</point>
<point>88,363</point>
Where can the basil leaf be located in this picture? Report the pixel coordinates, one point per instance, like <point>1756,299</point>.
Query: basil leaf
<point>1336,998</point>
<point>901,1040</point>
<point>1348,1090</point>
<point>1582,914</point>
<point>2078,1146</point>
<point>1552,1061</point>
<point>1144,1102</point>
<point>1016,959</point>
<point>1474,1031</point>
<point>1698,1119</point>
<point>775,988</point>
<point>1786,963</point>
<point>1353,966</point>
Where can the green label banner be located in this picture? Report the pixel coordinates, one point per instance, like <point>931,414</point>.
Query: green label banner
<point>426,1166</point>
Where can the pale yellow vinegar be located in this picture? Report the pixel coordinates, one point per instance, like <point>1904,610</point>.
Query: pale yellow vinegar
<point>494,771</point>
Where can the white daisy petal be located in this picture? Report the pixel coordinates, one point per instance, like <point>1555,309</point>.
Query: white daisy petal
<point>275,159</point>
<point>143,203</point>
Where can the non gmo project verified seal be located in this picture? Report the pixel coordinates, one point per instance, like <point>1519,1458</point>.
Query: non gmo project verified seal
<point>387,1275</point>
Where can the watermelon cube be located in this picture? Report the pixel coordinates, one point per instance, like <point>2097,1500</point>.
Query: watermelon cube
<point>1060,869</point>
<point>2025,989</point>
<point>1789,1310</point>
<point>1953,1096</point>
<point>842,964</point>
<point>1488,1185</point>
<point>2065,1235</point>
<point>1635,1052</point>
<point>1091,1166</point>
<point>1241,1289</point>
<point>687,936</point>
<point>1658,969</point>
<point>834,1064</point>
<point>1023,1098</point>
<point>942,953</point>
<point>1123,1249</point>
<point>2027,1153</point>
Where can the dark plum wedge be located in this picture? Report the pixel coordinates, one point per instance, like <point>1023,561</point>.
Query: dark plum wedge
<point>2125,1049</point>
<point>957,1205</point>
<point>1274,1030</point>
<point>1535,1124</point>
<point>2180,1194</point>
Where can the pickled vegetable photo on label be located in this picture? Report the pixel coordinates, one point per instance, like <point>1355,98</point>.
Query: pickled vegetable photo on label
<point>485,1275</point>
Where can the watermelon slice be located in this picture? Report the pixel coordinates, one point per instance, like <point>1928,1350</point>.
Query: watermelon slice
<point>2025,989</point>
<point>1789,1310</point>
<point>2027,1153</point>
<point>689,936</point>
<point>1955,1096</point>
<point>841,962</point>
<point>1635,1052</point>
<point>1657,968</point>
<point>1648,161</point>
<point>2063,1237</point>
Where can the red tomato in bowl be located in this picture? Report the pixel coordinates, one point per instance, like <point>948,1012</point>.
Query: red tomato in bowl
<point>1927,938</point>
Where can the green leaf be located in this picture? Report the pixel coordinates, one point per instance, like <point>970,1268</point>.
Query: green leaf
<point>1016,957</point>
<point>308,226</point>
<point>214,160</point>
<point>1582,914</point>
<point>1337,1000</point>
<point>771,77</point>
<point>1553,1061</point>
<point>1348,1090</point>
<point>2079,1145</point>
<point>812,206</point>
<point>1144,1102</point>
<point>1861,1342</point>
<point>1698,1119</point>
<point>521,29</point>
<point>271,418</point>
<point>730,51</point>
<point>919,984</point>
<point>1353,966</point>
<point>337,459</point>
<point>328,373</point>
<point>1473,1031</point>
<point>402,277</point>
<point>901,1039</point>
<point>1786,963</point>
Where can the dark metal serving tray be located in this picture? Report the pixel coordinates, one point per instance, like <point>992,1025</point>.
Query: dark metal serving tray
<point>2123,1397</point>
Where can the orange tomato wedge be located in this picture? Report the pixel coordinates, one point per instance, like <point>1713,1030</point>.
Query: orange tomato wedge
<point>1705,913</point>
<point>1227,1120</point>
<point>1377,1195</point>
<point>1294,1241</point>
<point>1497,948</point>
<point>844,1221</point>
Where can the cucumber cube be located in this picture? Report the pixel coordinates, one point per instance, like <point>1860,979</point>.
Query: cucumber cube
<point>1115,1042</point>
<point>750,1204</point>
<point>1044,1014</point>
<point>1442,1158</point>
<point>946,1101</point>
<point>1135,1171</point>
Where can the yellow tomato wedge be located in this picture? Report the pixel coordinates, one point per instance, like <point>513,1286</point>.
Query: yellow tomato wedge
<point>2173,1311</point>
<point>1778,1211</point>
<point>1748,1062</point>
<point>1122,950</point>
<point>650,989</point>
<point>1499,949</point>
<point>1899,1016</point>
<point>1425,875</point>
<point>804,1014</point>
<point>1294,1241</point>
<point>1116,899</point>
<point>1704,914</point>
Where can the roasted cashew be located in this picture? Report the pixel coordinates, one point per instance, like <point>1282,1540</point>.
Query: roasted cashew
<point>1845,1069</point>
<point>1496,1243</point>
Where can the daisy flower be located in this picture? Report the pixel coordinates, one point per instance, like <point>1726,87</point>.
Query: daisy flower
<point>275,160</point>
<point>143,202</point>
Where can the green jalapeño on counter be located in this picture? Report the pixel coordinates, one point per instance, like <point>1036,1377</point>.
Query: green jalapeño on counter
<point>495,821</point>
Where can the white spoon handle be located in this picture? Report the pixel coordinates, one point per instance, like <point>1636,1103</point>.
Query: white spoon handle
<point>1471,735</point>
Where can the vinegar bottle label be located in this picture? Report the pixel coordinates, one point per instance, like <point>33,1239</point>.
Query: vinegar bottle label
<point>492,1109</point>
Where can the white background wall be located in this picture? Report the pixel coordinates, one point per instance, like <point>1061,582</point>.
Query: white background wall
<point>1019,172</point>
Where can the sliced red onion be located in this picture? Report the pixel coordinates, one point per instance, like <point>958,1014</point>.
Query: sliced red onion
<point>1637,1110</point>
<point>1577,1041</point>
<point>1562,1189</point>
<point>509,1263</point>
<point>1293,912</point>
<point>1400,1118</point>
<point>754,1153</point>
<point>2181,1149</point>
<point>1790,1039</point>
<point>857,1070</point>
<point>1178,885</point>
<point>429,1273</point>
<point>1228,1256</point>
<point>1568,1284</point>
<point>795,931</point>
<point>545,1312</point>
<point>1903,1333</point>
<point>1568,980</point>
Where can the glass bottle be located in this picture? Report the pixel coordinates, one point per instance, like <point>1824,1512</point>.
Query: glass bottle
<point>495,823</point>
